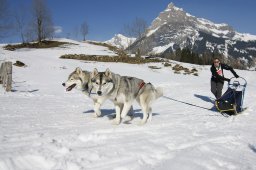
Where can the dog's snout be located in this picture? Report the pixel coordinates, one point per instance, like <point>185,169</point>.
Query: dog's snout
<point>99,93</point>
<point>63,84</point>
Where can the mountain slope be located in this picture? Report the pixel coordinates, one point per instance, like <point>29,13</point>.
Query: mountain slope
<point>174,28</point>
<point>44,127</point>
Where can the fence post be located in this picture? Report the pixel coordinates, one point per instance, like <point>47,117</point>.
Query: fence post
<point>6,75</point>
<point>1,73</point>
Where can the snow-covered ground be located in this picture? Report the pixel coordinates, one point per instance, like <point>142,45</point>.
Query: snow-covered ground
<point>43,127</point>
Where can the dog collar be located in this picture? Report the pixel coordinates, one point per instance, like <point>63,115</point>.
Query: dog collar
<point>90,92</point>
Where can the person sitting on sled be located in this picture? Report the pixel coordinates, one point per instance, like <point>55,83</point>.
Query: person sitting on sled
<point>217,80</point>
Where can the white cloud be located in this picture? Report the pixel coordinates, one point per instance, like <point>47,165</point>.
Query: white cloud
<point>57,29</point>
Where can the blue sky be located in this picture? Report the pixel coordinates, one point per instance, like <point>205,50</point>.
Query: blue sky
<point>107,17</point>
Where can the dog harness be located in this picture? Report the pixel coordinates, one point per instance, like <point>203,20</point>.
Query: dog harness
<point>86,89</point>
<point>141,84</point>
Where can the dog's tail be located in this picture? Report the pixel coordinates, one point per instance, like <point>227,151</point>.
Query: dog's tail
<point>159,92</point>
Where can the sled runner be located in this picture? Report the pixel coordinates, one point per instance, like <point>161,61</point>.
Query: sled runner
<point>231,102</point>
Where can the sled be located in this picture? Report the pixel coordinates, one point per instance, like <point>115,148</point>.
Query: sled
<point>231,102</point>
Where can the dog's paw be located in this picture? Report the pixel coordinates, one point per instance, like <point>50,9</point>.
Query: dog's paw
<point>141,123</point>
<point>129,118</point>
<point>116,122</point>
<point>94,115</point>
<point>98,114</point>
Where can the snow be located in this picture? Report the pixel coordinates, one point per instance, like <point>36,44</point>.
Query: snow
<point>189,15</point>
<point>240,51</point>
<point>251,48</point>
<point>152,31</point>
<point>210,23</point>
<point>210,46</point>
<point>214,30</point>
<point>160,49</point>
<point>172,7</point>
<point>227,42</point>
<point>215,35</point>
<point>43,127</point>
<point>244,37</point>
<point>121,41</point>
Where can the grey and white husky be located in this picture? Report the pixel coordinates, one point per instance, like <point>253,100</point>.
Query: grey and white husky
<point>123,90</point>
<point>81,80</point>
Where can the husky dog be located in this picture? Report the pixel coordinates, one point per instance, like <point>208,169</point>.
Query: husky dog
<point>122,91</point>
<point>81,80</point>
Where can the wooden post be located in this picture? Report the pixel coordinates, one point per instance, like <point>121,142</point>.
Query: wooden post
<point>6,75</point>
<point>1,74</point>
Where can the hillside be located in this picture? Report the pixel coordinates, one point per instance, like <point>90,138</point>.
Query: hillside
<point>44,127</point>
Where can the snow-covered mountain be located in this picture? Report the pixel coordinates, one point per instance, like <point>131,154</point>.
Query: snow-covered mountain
<point>174,28</point>
<point>120,41</point>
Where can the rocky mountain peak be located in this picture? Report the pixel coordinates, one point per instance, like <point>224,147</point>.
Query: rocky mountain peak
<point>175,28</point>
<point>170,16</point>
<point>172,7</point>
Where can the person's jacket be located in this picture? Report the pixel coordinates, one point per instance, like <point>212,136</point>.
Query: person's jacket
<point>218,78</point>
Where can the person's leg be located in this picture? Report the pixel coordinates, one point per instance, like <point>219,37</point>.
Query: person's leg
<point>219,89</point>
<point>214,88</point>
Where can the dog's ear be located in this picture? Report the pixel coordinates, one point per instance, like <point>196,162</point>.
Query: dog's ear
<point>108,73</point>
<point>79,70</point>
<point>94,72</point>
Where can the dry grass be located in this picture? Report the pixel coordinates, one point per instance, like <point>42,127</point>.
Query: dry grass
<point>178,67</point>
<point>166,64</point>
<point>126,59</point>
<point>186,71</point>
<point>119,51</point>
<point>43,44</point>
<point>19,64</point>
<point>194,70</point>
<point>154,67</point>
<point>110,47</point>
